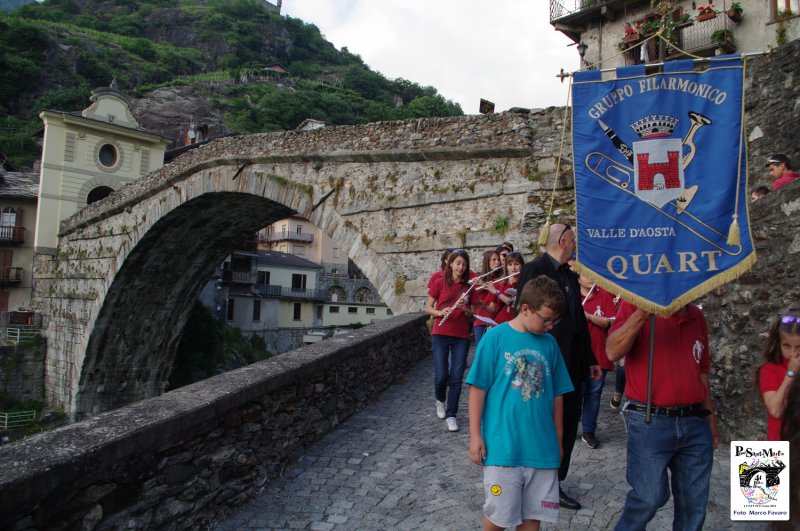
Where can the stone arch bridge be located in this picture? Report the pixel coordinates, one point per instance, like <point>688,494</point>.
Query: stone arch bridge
<point>117,294</point>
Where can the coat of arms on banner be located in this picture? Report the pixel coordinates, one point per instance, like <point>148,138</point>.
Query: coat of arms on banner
<point>660,178</point>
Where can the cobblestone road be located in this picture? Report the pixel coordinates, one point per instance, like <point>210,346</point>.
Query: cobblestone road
<point>394,466</point>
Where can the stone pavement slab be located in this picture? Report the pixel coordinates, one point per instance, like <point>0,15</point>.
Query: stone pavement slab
<point>395,466</point>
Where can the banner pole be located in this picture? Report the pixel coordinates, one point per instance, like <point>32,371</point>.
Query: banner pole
<point>648,412</point>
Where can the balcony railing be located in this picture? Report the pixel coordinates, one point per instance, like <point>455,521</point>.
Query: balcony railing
<point>12,234</point>
<point>695,38</point>
<point>240,277</point>
<point>560,9</point>
<point>287,235</point>
<point>10,275</point>
<point>291,293</point>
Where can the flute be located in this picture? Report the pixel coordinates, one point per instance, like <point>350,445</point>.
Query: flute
<point>499,279</point>
<point>461,298</point>
<point>587,295</point>
<point>474,280</point>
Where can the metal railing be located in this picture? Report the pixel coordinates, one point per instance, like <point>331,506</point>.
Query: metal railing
<point>695,38</point>
<point>10,275</point>
<point>287,235</point>
<point>240,277</point>
<point>18,419</point>
<point>17,335</point>
<point>291,293</point>
<point>12,233</point>
<point>698,35</point>
<point>562,8</point>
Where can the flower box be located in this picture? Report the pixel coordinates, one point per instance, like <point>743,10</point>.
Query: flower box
<point>632,37</point>
<point>735,16</point>
<point>705,16</point>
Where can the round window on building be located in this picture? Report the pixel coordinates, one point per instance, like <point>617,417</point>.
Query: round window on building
<point>101,192</point>
<point>108,155</point>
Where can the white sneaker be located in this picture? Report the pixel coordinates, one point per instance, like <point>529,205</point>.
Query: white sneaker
<point>440,409</point>
<point>452,425</point>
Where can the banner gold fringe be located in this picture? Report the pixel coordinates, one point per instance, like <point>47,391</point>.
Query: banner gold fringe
<point>665,311</point>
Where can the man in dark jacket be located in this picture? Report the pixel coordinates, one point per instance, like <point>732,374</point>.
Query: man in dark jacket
<point>571,333</point>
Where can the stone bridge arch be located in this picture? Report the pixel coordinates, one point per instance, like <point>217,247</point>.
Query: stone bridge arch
<point>392,195</point>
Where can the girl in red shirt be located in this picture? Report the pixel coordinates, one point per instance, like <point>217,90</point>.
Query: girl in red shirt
<point>506,291</point>
<point>486,302</point>
<point>450,303</point>
<point>779,370</point>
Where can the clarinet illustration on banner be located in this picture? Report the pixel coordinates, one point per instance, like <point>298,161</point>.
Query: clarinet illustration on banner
<point>660,180</point>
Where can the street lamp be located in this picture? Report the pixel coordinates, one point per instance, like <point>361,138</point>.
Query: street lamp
<point>582,52</point>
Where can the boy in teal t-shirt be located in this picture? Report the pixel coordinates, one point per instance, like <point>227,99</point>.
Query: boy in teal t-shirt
<point>515,411</point>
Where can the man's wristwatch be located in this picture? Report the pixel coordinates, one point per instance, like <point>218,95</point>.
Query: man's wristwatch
<point>791,374</point>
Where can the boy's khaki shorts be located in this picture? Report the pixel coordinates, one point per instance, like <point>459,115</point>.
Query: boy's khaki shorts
<point>514,494</point>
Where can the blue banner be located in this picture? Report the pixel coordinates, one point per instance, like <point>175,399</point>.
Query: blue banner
<point>660,180</point>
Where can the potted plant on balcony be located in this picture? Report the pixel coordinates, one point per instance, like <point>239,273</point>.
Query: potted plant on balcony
<point>631,34</point>
<point>705,12</point>
<point>735,12</point>
<point>722,36</point>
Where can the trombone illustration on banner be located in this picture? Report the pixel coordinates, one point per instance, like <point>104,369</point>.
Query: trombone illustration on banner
<point>657,176</point>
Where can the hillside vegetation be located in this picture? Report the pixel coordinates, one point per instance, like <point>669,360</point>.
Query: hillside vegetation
<point>52,55</point>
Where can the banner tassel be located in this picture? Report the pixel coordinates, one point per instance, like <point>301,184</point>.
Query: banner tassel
<point>544,234</point>
<point>733,232</point>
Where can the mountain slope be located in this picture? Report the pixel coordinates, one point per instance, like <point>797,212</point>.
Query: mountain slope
<point>212,53</point>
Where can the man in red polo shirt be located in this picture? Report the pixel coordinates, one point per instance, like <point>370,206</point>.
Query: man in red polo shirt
<point>780,169</point>
<point>682,433</point>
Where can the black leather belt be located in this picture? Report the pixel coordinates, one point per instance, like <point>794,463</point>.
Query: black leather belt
<point>695,410</point>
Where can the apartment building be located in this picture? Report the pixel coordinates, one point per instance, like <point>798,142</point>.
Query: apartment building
<point>278,296</point>
<point>615,33</point>
<point>18,205</point>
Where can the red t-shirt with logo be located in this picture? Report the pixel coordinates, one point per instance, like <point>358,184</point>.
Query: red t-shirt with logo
<point>770,377</point>
<point>680,357</point>
<point>601,303</point>
<point>457,324</point>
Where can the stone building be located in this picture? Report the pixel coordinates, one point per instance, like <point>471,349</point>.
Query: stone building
<point>298,236</point>
<point>88,155</point>
<point>614,33</point>
<point>287,299</point>
<point>18,206</point>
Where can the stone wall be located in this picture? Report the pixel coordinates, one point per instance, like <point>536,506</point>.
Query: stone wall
<point>22,371</point>
<point>772,109</point>
<point>740,313</point>
<point>179,461</point>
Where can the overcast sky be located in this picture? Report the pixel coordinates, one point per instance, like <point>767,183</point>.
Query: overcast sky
<point>505,51</point>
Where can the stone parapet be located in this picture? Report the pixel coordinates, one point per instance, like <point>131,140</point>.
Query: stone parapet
<point>182,459</point>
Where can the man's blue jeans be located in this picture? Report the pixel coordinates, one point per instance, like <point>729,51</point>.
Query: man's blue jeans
<point>449,362</point>
<point>684,446</point>
<point>592,391</point>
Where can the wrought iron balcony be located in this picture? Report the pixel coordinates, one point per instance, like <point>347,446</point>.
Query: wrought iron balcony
<point>282,292</point>
<point>286,235</point>
<point>701,38</point>
<point>10,275</point>
<point>239,277</point>
<point>571,11</point>
<point>12,234</point>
